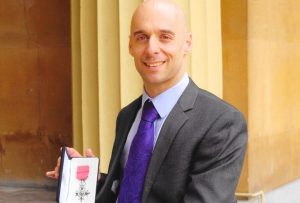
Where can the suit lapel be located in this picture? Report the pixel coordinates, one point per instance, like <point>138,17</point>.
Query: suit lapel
<point>123,129</point>
<point>125,124</point>
<point>170,128</point>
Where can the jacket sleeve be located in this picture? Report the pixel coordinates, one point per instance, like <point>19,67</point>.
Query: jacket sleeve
<point>217,166</point>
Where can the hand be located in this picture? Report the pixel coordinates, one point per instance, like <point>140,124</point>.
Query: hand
<point>72,153</point>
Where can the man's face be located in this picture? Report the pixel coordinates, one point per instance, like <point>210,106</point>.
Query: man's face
<point>159,43</point>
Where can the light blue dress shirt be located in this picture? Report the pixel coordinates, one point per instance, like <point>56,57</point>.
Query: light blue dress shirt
<point>163,103</point>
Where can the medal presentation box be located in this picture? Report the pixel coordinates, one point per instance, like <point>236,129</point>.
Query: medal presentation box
<point>78,179</point>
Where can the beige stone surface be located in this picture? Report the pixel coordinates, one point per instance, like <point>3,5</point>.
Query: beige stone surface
<point>261,56</point>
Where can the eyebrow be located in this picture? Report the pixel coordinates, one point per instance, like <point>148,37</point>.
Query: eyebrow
<point>138,32</point>
<point>162,31</point>
<point>168,32</point>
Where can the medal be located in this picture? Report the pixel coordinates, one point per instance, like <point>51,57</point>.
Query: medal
<point>82,174</point>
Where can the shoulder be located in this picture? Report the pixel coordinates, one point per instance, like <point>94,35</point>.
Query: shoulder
<point>209,107</point>
<point>223,126</point>
<point>207,101</point>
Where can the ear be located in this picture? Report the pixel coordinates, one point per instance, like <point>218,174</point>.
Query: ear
<point>188,43</point>
<point>130,46</point>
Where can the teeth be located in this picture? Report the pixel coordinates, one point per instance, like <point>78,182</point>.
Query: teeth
<point>154,64</point>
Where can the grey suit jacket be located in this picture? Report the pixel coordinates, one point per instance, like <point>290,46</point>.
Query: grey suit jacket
<point>197,158</point>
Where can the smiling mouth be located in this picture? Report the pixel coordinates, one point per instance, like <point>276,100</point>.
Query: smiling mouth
<point>154,64</point>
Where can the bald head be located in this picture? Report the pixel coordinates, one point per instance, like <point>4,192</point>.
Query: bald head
<point>159,43</point>
<point>150,8</point>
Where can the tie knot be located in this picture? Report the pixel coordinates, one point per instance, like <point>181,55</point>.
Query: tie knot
<point>149,112</point>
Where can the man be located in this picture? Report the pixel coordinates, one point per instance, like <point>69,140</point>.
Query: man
<point>197,141</point>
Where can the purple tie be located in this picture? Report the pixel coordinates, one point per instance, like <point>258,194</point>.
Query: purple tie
<point>139,157</point>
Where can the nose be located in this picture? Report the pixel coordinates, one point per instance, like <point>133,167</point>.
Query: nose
<point>152,46</point>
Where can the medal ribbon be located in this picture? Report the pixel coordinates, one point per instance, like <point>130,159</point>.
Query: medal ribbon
<point>82,172</point>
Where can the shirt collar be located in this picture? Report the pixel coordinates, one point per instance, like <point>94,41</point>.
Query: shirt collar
<point>165,101</point>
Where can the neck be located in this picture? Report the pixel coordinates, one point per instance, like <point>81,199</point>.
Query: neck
<point>156,89</point>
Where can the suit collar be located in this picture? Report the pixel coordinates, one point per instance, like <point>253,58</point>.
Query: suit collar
<point>189,96</point>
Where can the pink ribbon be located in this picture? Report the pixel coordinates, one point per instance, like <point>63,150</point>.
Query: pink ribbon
<point>82,172</point>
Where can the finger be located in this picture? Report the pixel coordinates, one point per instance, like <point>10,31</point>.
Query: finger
<point>89,153</point>
<point>73,153</point>
<point>56,170</point>
<point>58,161</point>
<point>51,174</point>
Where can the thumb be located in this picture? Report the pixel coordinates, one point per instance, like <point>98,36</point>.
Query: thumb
<point>89,152</point>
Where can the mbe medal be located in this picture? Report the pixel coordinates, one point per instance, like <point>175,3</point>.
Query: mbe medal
<point>82,174</point>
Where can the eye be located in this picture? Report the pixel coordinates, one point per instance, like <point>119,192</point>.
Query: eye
<point>166,37</point>
<point>141,37</point>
